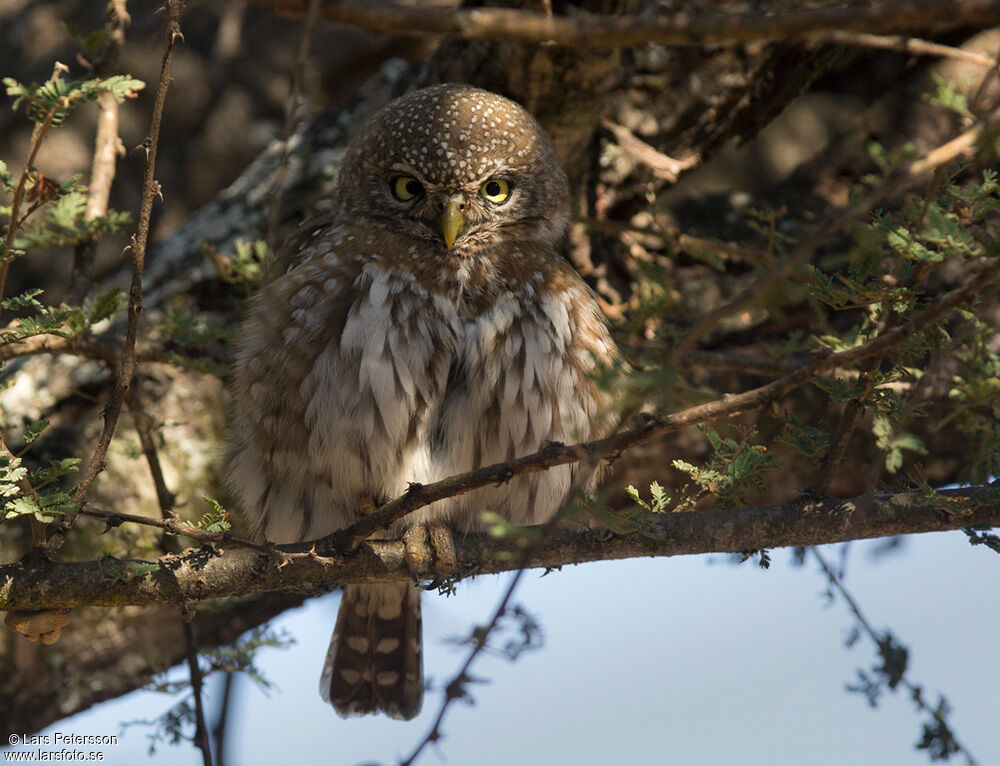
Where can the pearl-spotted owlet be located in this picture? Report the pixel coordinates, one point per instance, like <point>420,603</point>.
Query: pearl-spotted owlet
<point>427,325</point>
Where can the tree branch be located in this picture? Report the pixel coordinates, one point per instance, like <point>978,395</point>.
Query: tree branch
<point>194,670</point>
<point>902,44</point>
<point>174,525</point>
<point>678,28</point>
<point>37,583</point>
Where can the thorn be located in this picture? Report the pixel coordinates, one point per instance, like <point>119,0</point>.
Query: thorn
<point>507,473</point>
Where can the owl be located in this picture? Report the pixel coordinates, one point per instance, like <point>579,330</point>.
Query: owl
<point>426,325</point>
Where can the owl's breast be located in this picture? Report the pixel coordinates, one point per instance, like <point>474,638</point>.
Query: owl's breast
<point>516,381</point>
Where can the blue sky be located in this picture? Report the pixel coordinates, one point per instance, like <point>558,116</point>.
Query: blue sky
<point>689,660</point>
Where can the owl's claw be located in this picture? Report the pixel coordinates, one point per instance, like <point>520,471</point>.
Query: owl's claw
<point>442,549</point>
<point>415,540</point>
<point>443,543</point>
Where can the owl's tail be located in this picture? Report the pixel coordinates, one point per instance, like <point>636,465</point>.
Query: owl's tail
<point>375,660</point>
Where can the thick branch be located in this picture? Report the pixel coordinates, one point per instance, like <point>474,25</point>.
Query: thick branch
<point>679,28</point>
<point>37,583</point>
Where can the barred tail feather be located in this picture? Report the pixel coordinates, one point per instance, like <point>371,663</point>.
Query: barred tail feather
<point>375,660</point>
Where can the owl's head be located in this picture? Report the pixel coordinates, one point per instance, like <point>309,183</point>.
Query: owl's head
<point>456,166</point>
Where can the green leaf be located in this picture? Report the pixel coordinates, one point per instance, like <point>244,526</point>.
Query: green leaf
<point>660,496</point>
<point>6,178</point>
<point>216,520</point>
<point>56,98</point>
<point>838,388</point>
<point>33,430</point>
<point>12,473</point>
<point>23,506</point>
<point>104,305</point>
<point>633,493</point>
<point>54,470</point>
<point>811,441</point>
<point>23,301</point>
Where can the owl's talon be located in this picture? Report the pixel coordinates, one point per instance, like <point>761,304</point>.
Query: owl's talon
<point>415,540</point>
<point>443,544</point>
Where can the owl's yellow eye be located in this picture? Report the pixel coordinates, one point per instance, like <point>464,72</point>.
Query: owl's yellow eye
<point>405,188</point>
<point>496,190</point>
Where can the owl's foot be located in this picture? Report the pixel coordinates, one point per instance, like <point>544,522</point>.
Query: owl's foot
<point>443,544</point>
<point>415,540</point>
<point>441,549</point>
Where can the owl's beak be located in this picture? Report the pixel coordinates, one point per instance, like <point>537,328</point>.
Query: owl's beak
<point>451,221</point>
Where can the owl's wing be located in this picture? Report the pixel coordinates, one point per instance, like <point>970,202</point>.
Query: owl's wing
<point>339,366</point>
<point>298,246</point>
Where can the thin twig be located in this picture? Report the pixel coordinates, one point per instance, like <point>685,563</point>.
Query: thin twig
<point>555,454</point>
<point>766,366</point>
<point>164,497</point>
<point>975,103</point>
<point>144,428</point>
<point>176,526</point>
<point>664,167</point>
<point>107,147</point>
<point>679,239</point>
<point>915,689</point>
<point>671,28</point>
<point>194,669</point>
<point>454,689</point>
<point>846,426</point>
<point>911,45</point>
<point>222,719</point>
<point>137,251</point>
<point>733,361</point>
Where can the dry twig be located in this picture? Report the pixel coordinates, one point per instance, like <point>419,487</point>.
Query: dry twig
<point>912,45</point>
<point>175,526</point>
<point>675,28</point>
<point>137,252</point>
<point>915,690</point>
<point>194,670</point>
<point>288,129</point>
